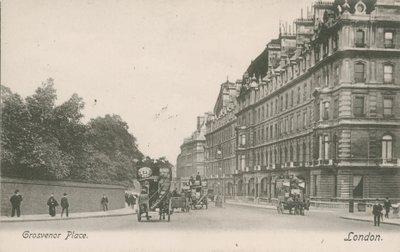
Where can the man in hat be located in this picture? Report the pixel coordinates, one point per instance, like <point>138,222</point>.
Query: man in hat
<point>104,202</point>
<point>64,205</point>
<point>376,211</point>
<point>387,205</point>
<point>16,203</point>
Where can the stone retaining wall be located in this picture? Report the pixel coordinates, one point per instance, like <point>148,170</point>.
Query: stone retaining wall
<point>82,197</point>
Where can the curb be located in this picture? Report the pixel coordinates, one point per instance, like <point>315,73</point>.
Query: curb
<point>69,218</point>
<point>364,220</point>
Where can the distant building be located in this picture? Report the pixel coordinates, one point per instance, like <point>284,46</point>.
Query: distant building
<point>191,158</point>
<point>221,141</point>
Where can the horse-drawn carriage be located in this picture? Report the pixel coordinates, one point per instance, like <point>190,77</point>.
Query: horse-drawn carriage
<point>155,186</point>
<point>291,196</point>
<point>181,201</point>
<point>199,194</point>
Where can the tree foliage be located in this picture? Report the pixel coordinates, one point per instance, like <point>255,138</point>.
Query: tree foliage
<point>44,141</point>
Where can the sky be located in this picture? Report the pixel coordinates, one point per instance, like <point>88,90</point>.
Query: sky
<point>158,64</point>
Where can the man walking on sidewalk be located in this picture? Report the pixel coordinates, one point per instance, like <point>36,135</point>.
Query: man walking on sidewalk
<point>16,203</point>
<point>376,211</point>
<point>64,205</point>
<point>104,203</point>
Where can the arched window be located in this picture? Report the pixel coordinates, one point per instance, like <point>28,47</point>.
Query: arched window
<point>298,153</point>
<point>359,72</point>
<point>387,147</point>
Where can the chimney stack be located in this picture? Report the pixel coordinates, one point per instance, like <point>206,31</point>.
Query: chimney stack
<point>200,122</point>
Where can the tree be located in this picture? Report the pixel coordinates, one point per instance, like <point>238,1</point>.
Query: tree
<point>16,135</point>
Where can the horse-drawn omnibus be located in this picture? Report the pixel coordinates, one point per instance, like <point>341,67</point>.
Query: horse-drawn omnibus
<point>154,195</point>
<point>291,195</point>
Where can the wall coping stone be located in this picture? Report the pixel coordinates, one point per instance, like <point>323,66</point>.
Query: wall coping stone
<point>7,180</point>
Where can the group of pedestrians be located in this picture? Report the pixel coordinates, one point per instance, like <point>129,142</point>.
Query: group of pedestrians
<point>52,203</point>
<point>378,208</point>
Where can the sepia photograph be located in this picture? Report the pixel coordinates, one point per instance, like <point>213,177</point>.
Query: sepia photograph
<point>213,125</point>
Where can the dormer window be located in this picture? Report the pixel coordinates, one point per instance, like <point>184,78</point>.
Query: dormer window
<point>389,39</point>
<point>360,38</point>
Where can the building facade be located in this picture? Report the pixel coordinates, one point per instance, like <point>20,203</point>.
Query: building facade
<point>328,109</point>
<point>220,149</point>
<point>190,161</point>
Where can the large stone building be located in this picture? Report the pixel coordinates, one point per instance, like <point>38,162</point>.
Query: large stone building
<point>328,108</point>
<point>220,154</point>
<point>191,159</point>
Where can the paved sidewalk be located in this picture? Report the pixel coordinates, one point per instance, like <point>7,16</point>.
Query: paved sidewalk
<point>84,215</point>
<point>369,218</point>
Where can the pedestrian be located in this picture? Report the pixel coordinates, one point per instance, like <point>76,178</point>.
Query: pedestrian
<point>64,205</point>
<point>376,211</point>
<point>104,203</point>
<point>52,203</point>
<point>127,198</point>
<point>16,203</point>
<point>198,177</point>
<point>131,200</point>
<point>387,205</point>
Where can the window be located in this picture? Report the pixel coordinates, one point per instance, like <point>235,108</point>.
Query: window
<point>272,108</point>
<point>291,123</point>
<point>305,92</point>
<point>389,39</point>
<point>305,119</point>
<point>270,132</point>
<point>335,42</point>
<point>359,106</point>
<point>298,121</point>
<point>326,111</point>
<point>359,72</point>
<point>326,48</point>
<point>286,100</point>
<point>360,39</point>
<point>317,52</point>
<point>304,152</point>
<point>243,141</point>
<point>387,106</point>
<point>387,73</point>
<point>243,162</point>
<point>387,146</point>
<point>326,147</point>
<point>291,98</point>
<point>298,95</point>
<point>262,113</point>
<point>281,103</point>
<point>335,108</point>
<point>336,79</point>
<point>315,183</point>
<point>357,186</point>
